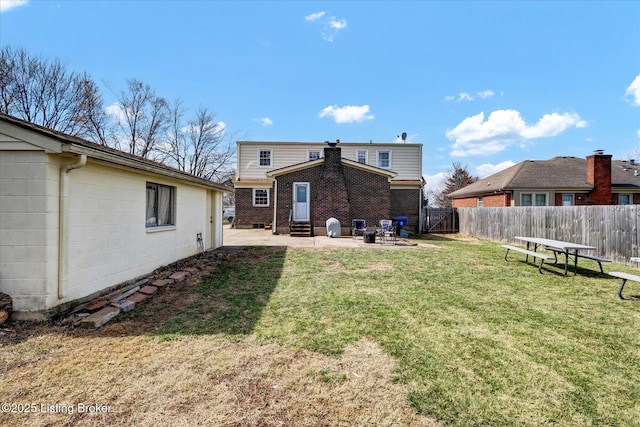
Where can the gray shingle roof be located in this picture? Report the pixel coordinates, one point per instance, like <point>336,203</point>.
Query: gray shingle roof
<point>560,172</point>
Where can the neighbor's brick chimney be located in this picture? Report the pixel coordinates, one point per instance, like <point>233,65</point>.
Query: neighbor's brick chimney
<point>333,187</point>
<point>599,175</point>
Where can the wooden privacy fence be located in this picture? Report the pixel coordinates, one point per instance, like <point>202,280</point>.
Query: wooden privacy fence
<point>614,230</point>
<point>439,220</point>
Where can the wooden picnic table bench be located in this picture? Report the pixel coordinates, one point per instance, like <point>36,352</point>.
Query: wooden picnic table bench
<point>528,253</point>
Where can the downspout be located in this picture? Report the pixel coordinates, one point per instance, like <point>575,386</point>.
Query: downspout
<point>274,225</point>
<point>63,218</point>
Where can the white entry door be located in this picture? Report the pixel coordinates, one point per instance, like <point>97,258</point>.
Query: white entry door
<point>301,201</point>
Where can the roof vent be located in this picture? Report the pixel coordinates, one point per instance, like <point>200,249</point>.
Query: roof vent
<point>635,173</point>
<point>598,152</point>
<point>632,161</point>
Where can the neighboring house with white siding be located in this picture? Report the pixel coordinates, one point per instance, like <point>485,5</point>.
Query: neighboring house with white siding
<point>285,184</point>
<point>77,218</point>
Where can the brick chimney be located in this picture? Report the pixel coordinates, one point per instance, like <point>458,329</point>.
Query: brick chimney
<point>332,188</point>
<point>599,175</point>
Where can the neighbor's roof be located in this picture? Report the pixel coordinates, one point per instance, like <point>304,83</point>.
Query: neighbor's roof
<point>75,145</point>
<point>567,173</point>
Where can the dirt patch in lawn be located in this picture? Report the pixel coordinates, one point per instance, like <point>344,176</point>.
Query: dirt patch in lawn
<point>198,380</point>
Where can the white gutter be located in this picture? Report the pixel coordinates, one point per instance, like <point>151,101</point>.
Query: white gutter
<point>63,218</point>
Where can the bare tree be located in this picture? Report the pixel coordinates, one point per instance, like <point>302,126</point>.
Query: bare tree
<point>201,147</point>
<point>144,119</point>
<point>457,178</point>
<point>45,93</point>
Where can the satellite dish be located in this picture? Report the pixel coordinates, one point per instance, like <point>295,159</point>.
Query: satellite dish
<point>404,137</point>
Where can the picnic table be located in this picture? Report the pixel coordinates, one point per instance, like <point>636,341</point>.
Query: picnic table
<point>569,249</point>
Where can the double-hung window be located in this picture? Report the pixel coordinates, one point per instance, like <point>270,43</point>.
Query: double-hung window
<point>567,200</point>
<point>313,154</point>
<point>361,156</point>
<point>260,197</point>
<point>265,158</point>
<point>624,199</point>
<point>384,159</point>
<point>160,205</point>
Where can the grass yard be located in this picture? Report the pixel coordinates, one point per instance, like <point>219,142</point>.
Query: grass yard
<point>442,334</point>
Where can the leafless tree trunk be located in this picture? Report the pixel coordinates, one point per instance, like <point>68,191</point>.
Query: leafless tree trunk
<point>144,119</point>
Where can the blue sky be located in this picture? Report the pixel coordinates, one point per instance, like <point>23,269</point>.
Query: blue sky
<point>486,84</point>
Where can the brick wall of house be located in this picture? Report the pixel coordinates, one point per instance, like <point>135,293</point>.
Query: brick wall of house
<point>465,202</point>
<point>369,195</point>
<point>336,191</point>
<point>406,203</point>
<point>246,214</point>
<point>285,194</point>
<point>496,201</point>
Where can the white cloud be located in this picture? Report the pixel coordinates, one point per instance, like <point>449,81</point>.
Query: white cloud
<point>434,183</point>
<point>638,133</point>
<point>633,92</point>
<point>487,169</point>
<point>337,25</point>
<point>449,98</point>
<point>264,121</point>
<point>331,25</point>
<point>347,114</point>
<point>485,94</point>
<point>314,16</point>
<point>115,112</point>
<point>7,5</point>
<point>464,96</point>
<point>475,136</point>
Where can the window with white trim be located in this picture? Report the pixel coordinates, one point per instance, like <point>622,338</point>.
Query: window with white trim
<point>160,205</point>
<point>624,199</point>
<point>384,159</point>
<point>361,156</point>
<point>260,197</point>
<point>265,157</point>
<point>313,154</point>
<point>533,199</point>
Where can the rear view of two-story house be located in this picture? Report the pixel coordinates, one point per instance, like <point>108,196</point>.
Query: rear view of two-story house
<point>284,185</point>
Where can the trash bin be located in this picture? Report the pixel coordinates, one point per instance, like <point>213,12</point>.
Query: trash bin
<point>401,221</point>
<point>369,237</point>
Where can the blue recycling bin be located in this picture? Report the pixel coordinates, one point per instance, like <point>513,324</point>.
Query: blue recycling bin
<point>401,221</point>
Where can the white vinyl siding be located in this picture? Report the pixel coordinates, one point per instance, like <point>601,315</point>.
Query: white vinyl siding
<point>406,158</point>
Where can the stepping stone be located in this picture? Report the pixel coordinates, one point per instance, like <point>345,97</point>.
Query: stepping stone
<point>162,283</point>
<point>179,276</point>
<point>148,290</point>
<point>137,297</point>
<point>96,305</point>
<point>124,305</point>
<point>99,318</point>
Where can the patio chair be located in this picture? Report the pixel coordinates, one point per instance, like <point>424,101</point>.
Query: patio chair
<point>358,226</point>
<point>386,231</point>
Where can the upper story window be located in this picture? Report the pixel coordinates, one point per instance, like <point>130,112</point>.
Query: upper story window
<point>533,199</point>
<point>265,157</point>
<point>313,154</point>
<point>567,200</point>
<point>260,197</point>
<point>361,156</point>
<point>384,159</point>
<point>624,199</point>
<point>160,205</point>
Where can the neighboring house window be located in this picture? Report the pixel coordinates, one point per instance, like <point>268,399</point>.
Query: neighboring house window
<point>265,158</point>
<point>314,154</point>
<point>361,156</point>
<point>480,202</point>
<point>260,197</point>
<point>624,199</point>
<point>160,205</point>
<point>533,199</point>
<point>567,200</point>
<point>384,159</point>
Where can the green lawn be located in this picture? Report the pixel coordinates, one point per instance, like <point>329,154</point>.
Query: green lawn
<point>478,341</point>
